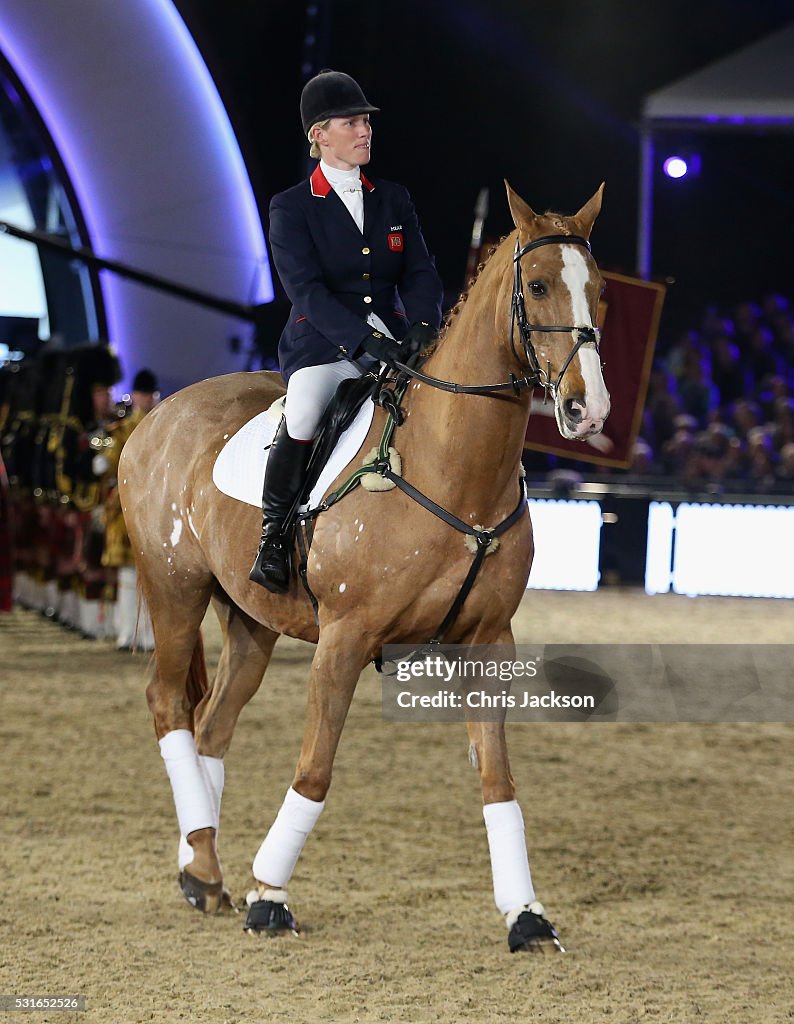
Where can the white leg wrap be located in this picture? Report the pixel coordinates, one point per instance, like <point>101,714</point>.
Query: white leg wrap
<point>512,883</point>
<point>213,772</point>
<point>277,856</point>
<point>194,806</point>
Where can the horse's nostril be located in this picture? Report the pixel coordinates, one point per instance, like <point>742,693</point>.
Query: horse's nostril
<point>574,410</point>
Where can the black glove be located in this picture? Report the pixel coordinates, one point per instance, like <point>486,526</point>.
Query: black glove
<point>387,350</point>
<point>419,337</point>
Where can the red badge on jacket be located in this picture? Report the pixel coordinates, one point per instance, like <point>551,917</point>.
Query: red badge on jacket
<point>395,239</point>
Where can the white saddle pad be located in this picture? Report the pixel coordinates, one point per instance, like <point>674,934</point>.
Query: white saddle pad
<point>239,470</point>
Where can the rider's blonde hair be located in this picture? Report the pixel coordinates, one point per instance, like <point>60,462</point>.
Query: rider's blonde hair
<point>314,151</point>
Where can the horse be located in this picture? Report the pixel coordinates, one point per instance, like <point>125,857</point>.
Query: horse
<point>464,418</point>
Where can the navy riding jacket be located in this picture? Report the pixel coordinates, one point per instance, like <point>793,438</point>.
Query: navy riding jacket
<point>335,276</point>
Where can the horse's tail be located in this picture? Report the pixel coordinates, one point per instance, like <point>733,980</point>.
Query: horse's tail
<point>197,682</point>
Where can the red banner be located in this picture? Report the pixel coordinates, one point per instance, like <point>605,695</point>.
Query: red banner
<point>628,316</point>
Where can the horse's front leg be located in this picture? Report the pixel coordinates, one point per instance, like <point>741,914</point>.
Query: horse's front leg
<point>336,668</point>
<point>514,894</point>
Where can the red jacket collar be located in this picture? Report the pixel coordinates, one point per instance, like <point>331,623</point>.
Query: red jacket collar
<point>321,186</point>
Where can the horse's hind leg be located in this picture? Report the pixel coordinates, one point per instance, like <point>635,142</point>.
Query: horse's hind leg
<point>247,647</point>
<point>336,668</point>
<point>514,894</point>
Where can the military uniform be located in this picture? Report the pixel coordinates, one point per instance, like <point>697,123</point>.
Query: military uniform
<point>80,441</point>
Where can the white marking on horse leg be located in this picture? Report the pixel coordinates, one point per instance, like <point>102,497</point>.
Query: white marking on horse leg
<point>185,853</point>
<point>512,882</point>
<point>277,856</point>
<point>271,895</point>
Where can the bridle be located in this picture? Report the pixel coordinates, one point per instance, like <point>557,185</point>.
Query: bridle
<point>518,316</point>
<point>534,376</point>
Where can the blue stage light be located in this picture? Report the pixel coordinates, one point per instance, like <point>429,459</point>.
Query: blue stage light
<point>675,167</point>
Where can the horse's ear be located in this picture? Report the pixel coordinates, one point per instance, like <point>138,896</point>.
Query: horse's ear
<point>522,213</point>
<point>585,218</point>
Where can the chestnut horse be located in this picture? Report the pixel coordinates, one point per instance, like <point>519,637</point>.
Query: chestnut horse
<point>528,318</point>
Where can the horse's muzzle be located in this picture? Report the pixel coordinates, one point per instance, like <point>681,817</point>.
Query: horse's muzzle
<point>578,420</point>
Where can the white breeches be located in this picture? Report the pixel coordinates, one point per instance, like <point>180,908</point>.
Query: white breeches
<point>308,393</point>
<point>311,389</point>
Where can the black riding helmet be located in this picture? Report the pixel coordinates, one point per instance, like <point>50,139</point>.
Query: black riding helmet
<point>332,94</point>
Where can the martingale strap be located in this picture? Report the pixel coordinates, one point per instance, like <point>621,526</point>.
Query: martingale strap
<point>484,540</point>
<point>381,465</point>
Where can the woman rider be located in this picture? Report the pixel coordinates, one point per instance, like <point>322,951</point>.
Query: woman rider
<point>345,247</point>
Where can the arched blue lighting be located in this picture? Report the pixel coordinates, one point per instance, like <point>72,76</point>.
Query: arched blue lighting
<point>675,167</point>
<point>61,90</point>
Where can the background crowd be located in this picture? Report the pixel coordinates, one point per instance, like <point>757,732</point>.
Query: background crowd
<point>720,405</point>
<point>63,540</point>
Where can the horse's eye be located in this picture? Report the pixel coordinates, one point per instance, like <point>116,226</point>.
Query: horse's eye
<point>537,289</point>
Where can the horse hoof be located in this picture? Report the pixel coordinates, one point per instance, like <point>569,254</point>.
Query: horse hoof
<point>268,918</point>
<point>208,897</point>
<point>532,933</point>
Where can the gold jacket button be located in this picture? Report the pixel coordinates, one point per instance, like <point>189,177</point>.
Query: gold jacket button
<point>365,277</point>
<point>367,298</point>
<point>365,251</point>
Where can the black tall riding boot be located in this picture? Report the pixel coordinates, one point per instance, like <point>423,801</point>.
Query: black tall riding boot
<point>284,473</point>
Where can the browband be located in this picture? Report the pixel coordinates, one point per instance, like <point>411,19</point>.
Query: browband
<point>553,240</point>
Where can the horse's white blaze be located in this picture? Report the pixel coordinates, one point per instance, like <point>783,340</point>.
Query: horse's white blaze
<point>575,276</point>
<point>176,533</point>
